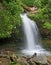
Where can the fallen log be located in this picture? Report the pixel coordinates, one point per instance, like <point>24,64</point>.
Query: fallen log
<point>30,9</point>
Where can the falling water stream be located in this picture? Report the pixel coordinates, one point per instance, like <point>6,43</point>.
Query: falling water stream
<point>32,36</point>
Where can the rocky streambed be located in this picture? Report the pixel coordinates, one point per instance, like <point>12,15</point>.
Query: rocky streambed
<point>6,57</point>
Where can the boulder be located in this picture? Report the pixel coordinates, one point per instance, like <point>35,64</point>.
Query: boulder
<point>9,54</point>
<point>22,60</point>
<point>4,61</point>
<point>31,63</point>
<point>13,57</point>
<point>49,59</point>
<point>39,60</point>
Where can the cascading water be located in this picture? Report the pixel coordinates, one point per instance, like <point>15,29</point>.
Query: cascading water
<point>32,36</point>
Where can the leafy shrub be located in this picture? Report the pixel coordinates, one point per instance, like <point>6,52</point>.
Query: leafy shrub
<point>38,3</point>
<point>28,2</point>
<point>44,14</point>
<point>47,25</point>
<point>9,17</point>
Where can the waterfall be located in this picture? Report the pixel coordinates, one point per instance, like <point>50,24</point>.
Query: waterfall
<point>32,36</point>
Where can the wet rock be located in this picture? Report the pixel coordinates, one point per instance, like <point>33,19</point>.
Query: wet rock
<point>49,63</point>
<point>49,59</point>
<point>12,55</point>
<point>39,60</point>
<point>4,61</point>
<point>9,54</point>
<point>31,63</point>
<point>22,60</point>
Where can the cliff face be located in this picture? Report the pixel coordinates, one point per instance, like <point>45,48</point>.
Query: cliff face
<point>45,33</point>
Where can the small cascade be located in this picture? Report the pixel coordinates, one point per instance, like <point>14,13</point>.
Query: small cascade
<point>32,36</point>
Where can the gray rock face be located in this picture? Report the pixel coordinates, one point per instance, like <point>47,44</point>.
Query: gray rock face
<point>40,59</point>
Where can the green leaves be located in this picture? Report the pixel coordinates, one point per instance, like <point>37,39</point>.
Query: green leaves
<point>4,24</point>
<point>47,25</point>
<point>28,2</point>
<point>9,17</point>
<point>44,13</point>
<point>10,11</point>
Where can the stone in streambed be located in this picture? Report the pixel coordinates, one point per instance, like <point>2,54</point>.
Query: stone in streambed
<point>49,59</point>
<point>11,55</point>
<point>4,61</point>
<point>39,60</point>
<point>22,61</point>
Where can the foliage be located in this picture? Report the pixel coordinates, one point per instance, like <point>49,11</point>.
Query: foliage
<point>28,2</point>
<point>9,17</point>
<point>44,14</point>
<point>13,63</point>
<point>32,2</point>
<point>38,3</point>
<point>47,25</point>
<point>5,25</point>
<point>10,21</point>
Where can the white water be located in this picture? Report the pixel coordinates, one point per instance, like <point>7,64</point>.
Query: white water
<point>32,36</point>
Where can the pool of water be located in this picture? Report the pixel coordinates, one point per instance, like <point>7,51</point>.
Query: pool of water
<point>17,47</point>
